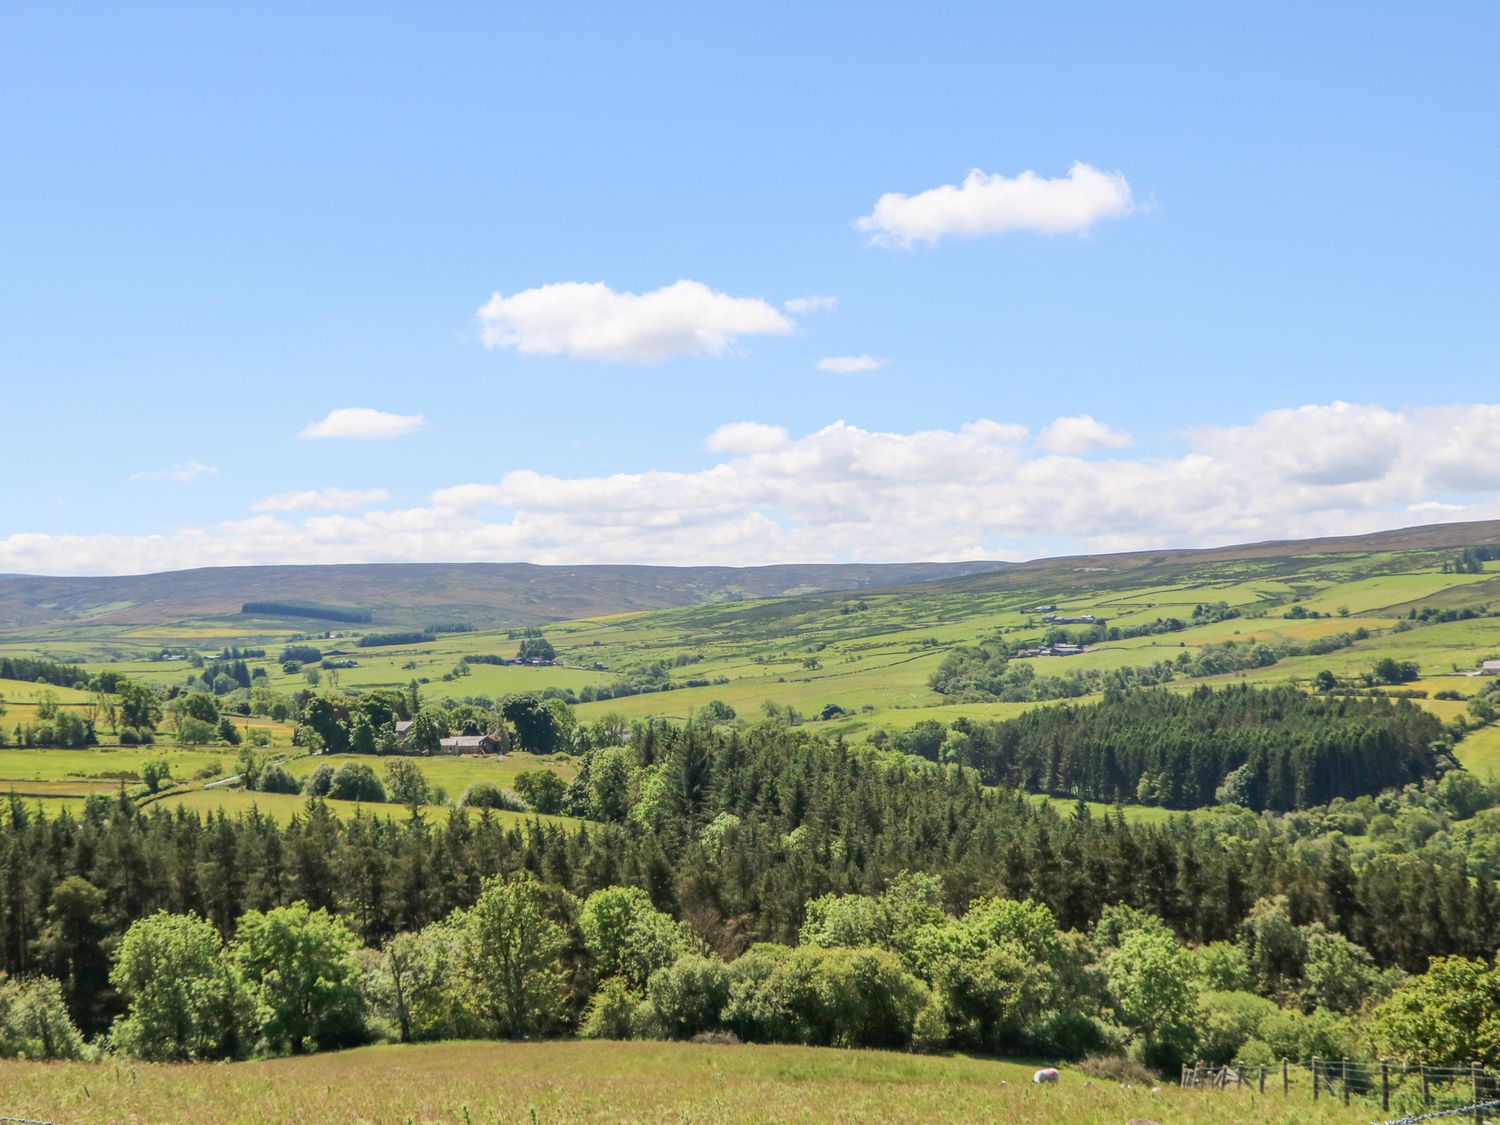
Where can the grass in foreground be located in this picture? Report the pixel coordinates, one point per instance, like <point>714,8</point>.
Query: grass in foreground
<point>597,1081</point>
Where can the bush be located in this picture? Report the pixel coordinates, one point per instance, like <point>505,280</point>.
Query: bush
<point>717,1038</point>
<point>34,1021</point>
<point>543,790</point>
<point>688,996</point>
<point>1117,1068</point>
<point>277,779</point>
<point>823,997</point>
<point>1227,1021</point>
<point>488,795</point>
<point>355,781</point>
<point>156,772</point>
<point>320,781</point>
<point>195,732</point>
<point>610,1012</point>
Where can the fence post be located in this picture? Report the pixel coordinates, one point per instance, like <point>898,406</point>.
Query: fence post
<point>1315,1077</point>
<point>1474,1075</point>
<point>1262,1078</point>
<point>1346,1080</point>
<point>1426,1094</point>
<point>1286,1084</point>
<point>1183,1083</point>
<point>1385,1084</point>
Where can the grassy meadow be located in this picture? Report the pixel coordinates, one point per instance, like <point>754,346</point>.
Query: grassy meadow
<point>466,1083</point>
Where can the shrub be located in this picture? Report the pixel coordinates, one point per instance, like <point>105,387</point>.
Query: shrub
<point>277,779</point>
<point>717,1038</point>
<point>488,795</point>
<point>195,732</point>
<point>1117,1068</point>
<point>34,1021</point>
<point>827,997</point>
<point>1227,1021</point>
<point>543,790</point>
<point>610,1012</point>
<point>320,781</point>
<point>688,996</point>
<point>154,773</point>
<point>355,781</point>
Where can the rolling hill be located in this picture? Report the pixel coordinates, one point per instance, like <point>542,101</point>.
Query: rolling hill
<point>482,594</point>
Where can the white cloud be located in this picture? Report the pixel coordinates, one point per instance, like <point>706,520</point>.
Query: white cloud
<point>801,305</point>
<point>589,320</point>
<point>1080,434</point>
<point>185,471</point>
<point>321,500</point>
<point>991,204</point>
<point>747,437</point>
<point>364,423</point>
<point>984,489</point>
<point>1435,507</point>
<point>850,364</point>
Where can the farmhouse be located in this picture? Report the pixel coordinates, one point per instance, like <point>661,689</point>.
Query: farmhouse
<point>1053,650</point>
<point>1490,668</point>
<point>469,744</point>
<point>403,729</point>
<point>1056,619</point>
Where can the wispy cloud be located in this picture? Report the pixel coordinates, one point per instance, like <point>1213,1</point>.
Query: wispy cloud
<point>850,364</point>
<point>363,423</point>
<point>589,320</point>
<point>799,306</point>
<point>991,204</point>
<point>321,500</point>
<point>185,471</point>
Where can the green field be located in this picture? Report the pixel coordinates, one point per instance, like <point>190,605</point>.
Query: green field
<point>455,774</point>
<point>464,1083</point>
<point>1480,752</point>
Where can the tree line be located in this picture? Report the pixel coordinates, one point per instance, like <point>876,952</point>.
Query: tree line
<point>527,957</point>
<point>731,831</point>
<point>988,671</point>
<point>351,614</point>
<point>1262,748</point>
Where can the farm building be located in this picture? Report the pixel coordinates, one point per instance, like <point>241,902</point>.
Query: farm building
<point>1490,668</point>
<point>470,744</point>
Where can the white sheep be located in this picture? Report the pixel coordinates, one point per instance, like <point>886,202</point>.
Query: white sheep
<point>1046,1074</point>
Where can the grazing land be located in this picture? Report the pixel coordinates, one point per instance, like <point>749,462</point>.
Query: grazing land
<point>603,1081</point>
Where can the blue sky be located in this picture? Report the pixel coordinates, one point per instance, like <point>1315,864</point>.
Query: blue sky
<point>218,226</point>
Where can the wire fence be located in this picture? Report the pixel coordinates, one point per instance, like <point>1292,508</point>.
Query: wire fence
<point>1415,1090</point>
